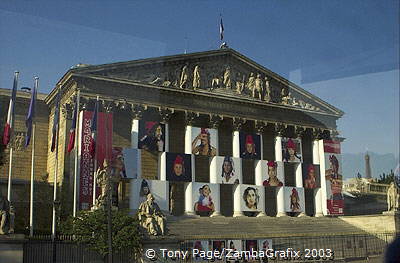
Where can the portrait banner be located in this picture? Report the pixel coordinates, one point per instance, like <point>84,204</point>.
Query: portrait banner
<point>250,146</point>
<point>200,245</point>
<point>140,188</point>
<point>204,141</point>
<point>205,198</point>
<point>250,201</point>
<point>265,244</point>
<point>126,162</point>
<point>178,167</point>
<point>291,150</point>
<point>151,136</point>
<point>103,150</point>
<point>333,177</point>
<point>294,199</point>
<point>311,177</point>
<point>251,245</point>
<point>272,173</point>
<point>228,170</point>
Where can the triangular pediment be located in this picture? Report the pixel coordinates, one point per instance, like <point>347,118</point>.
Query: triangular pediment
<point>223,72</point>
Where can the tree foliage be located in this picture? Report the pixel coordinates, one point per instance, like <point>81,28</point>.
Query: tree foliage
<point>386,178</point>
<point>90,228</point>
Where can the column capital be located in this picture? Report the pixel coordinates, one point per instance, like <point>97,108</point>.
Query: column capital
<point>109,106</point>
<point>215,120</point>
<point>190,117</point>
<point>137,110</point>
<point>279,129</point>
<point>316,133</point>
<point>83,103</point>
<point>299,131</point>
<point>238,123</point>
<point>67,109</point>
<point>260,126</point>
<point>165,114</point>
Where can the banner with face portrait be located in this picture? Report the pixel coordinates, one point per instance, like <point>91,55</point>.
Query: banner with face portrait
<point>200,245</point>
<point>294,199</point>
<point>333,177</point>
<point>272,173</point>
<point>205,198</point>
<point>151,136</point>
<point>204,141</point>
<point>178,167</point>
<point>250,198</point>
<point>291,150</point>
<point>126,162</point>
<point>228,170</point>
<point>140,188</point>
<point>250,146</point>
<point>264,244</point>
<point>311,178</point>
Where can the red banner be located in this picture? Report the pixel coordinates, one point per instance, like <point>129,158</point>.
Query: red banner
<point>103,150</point>
<point>331,146</point>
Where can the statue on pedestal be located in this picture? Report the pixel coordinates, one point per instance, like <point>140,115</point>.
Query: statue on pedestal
<point>150,217</point>
<point>6,216</point>
<point>393,197</point>
<point>106,179</point>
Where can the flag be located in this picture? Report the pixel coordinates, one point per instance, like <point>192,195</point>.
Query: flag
<point>221,29</point>
<point>72,131</point>
<point>55,122</point>
<point>93,128</point>
<point>10,116</point>
<point>31,114</point>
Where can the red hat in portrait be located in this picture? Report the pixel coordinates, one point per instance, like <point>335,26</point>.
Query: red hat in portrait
<point>271,164</point>
<point>149,125</point>
<point>290,144</point>
<point>311,168</point>
<point>178,160</point>
<point>204,131</point>
<point>249,139</point>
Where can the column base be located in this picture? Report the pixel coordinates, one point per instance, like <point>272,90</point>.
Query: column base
<point>302,214</point>
<point>216,214</point>
<point>281,214</point>
<point>261,214</point>
<point>191,214</point>
<point>238,214</point>
<point>319,215</point>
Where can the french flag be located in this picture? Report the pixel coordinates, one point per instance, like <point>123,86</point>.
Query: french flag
<point>72,131</point>
<point>92,147</point>
<point>221,29</point>
<point>31,114</point>
<point>10,116</point>
<point>55,122</point>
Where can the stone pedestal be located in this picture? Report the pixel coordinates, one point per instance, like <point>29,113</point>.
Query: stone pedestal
<point>12,248</point>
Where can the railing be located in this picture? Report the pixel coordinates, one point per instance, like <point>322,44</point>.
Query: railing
<point>361,246</point>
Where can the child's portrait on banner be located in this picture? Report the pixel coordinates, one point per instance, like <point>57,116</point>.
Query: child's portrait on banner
<point>311,175</point>
<point>204,141</point>
<point>273,179</point>
<point>204,201</point>
<point>151,136</point>
<point>291,150</point>
<point>179,167</point>
<point>250,146</point>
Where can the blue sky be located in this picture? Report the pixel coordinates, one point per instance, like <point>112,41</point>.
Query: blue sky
<point>345,52</point>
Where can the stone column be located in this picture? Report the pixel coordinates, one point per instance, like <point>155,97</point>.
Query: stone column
<point>189,205</point>
<point>215,121</point>
<point>165,115</point>
<point>280,197</point>
<point>300,132</point>
<point>237,198</point>
<point>190,117</point>
<point>237,126</point>
<point>217,203</point>
<point>322,177</point>
<point>261,203</point>
<point>317,192</point>
<point>136,114</point>
<point>260,125</point>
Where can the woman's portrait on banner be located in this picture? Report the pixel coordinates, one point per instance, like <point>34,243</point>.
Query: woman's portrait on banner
<point>179,167</point>
<point>272,175</point>
<point>251,198</point>
<point>294,199</point>
<point>229,175</point>
<point>151,136</point>
<point>250,146</point>
<point>118,163</point>
<point>311,176</point>
<point>204,141</point>
<point>333,176</point>
<point>291,150</point>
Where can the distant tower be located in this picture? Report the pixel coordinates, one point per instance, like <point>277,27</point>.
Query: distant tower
<point>367,167</point>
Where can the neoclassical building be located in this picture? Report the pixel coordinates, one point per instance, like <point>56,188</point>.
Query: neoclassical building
<point>253,121</point>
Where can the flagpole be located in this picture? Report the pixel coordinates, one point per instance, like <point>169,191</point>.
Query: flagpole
<point>53,229</point>
<point>76,167</point>
<point>33,160</point>
<point>95,154</point>
<point>16,73</point>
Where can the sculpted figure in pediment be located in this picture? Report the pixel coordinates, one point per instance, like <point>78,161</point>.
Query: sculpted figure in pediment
<point>250,83</point>
<point>258,88</point>
<point>196,77</point>
<point>184,79</point>
<point>267,90</point>
<point>239,83</point>
<point>227,78</point>
<point>285,96</point>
